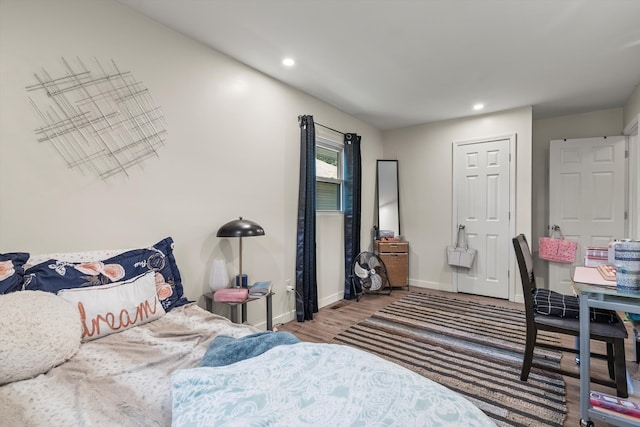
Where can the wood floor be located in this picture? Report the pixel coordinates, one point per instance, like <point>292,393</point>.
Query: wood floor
<point>333,319</point>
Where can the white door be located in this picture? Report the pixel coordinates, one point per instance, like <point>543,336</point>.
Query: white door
<point>586,197</point>
<point>481,186</point>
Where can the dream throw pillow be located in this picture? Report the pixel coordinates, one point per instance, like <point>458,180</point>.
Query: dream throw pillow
<point>12,271</point>
<point>115,307</point>
<point>39,331</point>
<point>55,275</point>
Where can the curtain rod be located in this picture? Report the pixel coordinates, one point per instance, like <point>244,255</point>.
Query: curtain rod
<point>327,127</point>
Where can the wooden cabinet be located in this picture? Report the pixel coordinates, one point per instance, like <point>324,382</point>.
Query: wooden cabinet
<point>395,256</point>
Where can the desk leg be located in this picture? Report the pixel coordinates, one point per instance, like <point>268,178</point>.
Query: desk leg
<point>244,313</point>
<point>269,314</point>
<point>234,313</point>
<point>585,376</point>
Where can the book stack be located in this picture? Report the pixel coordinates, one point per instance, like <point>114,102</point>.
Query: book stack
<point>627,408</point>
<point>259,289</point>
<point>607,272</point>
<point>595,256</point>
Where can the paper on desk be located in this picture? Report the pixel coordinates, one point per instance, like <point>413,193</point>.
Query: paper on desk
<point>591,276</point>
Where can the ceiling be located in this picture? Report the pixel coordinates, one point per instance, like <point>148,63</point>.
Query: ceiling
<point>397,63</point>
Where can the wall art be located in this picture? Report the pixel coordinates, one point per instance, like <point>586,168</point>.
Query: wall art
<point>99,119</point>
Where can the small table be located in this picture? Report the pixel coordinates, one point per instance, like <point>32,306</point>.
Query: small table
<point>208,297</point>
<point>610,298</point>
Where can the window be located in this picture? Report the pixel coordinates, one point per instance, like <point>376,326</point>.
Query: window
<point>328,175</point>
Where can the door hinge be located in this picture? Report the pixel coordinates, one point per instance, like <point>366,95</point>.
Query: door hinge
<point>626,154</point>
<point>626,215</point>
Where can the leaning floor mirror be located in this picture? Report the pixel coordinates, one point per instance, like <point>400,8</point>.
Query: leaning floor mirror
<point>388,198</point>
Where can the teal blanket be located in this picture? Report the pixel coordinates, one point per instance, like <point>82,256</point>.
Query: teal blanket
<point>309,384</point>
<point>226,350</point>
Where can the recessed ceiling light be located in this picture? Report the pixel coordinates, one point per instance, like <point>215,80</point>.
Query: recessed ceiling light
<point>478,107</point>
<point>288,62</point>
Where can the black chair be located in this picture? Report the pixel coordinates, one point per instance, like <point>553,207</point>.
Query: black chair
<point>613,334</point>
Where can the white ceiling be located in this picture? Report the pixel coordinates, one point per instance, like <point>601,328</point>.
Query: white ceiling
<point>395,63</point>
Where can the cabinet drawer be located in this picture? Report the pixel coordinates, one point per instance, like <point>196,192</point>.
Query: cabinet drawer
<point>381,247</point>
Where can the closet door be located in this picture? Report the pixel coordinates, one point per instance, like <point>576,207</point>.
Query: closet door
<point>586,197</point>
<point>481,191</point>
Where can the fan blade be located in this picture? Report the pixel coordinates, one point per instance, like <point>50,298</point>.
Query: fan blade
<point>360,272</point>
<point>376,282</point>
<point>373,262</point>
<point>366,283</point>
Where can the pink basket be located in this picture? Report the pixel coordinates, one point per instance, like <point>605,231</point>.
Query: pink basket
<point>557,249</point>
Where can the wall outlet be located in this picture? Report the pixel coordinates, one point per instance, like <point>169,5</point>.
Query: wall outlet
<point>288,286</point>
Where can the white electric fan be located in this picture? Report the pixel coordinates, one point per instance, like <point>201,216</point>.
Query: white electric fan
<point>371,272</point>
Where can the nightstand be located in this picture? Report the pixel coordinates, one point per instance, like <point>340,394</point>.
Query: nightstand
<point>208,298</point>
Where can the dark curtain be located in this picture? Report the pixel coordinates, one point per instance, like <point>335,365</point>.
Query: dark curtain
<point>351,204</point>
<point>306,280</point>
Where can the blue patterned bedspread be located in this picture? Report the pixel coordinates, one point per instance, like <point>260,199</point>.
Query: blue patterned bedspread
<point>309,384</point>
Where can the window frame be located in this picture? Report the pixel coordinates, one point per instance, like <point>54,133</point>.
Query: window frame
<point>338,147</point>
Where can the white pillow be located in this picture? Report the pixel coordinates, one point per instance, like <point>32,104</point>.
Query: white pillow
<point>114,307</point>
<point>39,330</point>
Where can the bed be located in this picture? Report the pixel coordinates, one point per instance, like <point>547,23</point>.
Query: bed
<point>62,367</point>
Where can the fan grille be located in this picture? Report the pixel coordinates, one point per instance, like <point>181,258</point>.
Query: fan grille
<point>370,270</point>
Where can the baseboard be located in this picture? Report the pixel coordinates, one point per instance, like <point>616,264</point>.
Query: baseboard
<point>424,284</point>
<point>291,314</point>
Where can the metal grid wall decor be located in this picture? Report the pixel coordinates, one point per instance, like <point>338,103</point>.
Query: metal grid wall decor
<point>100,121</point>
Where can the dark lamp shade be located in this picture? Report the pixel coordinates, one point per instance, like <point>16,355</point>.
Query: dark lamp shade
<point>240,228</point>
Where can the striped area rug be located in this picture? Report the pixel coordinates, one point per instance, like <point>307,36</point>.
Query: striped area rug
<point>471,348</point>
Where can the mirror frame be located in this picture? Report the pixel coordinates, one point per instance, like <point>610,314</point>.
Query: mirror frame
<point>387,185</point>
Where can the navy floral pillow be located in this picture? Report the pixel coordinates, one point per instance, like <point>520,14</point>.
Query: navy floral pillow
<point>11,271</point>
<point>55,275</point>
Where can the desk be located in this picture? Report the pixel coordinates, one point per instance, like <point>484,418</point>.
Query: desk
<point>208,297</point>
<point>606,297</point>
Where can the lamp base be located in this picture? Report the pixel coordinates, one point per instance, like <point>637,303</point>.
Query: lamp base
<point>242,283</point>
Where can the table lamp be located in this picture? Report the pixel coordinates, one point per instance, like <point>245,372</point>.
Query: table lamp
<point>240,228</point>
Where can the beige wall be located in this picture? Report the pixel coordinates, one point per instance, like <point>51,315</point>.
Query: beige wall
<point>632,106</point>
<point>217,111</point>
<point>596,123</point>
<point>631,115</point>
<point>425,163</point>
<point>232,150</point>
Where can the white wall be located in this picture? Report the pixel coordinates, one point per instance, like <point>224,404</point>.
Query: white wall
<point>631,118</point>
<point>632,106</point>
<point>425,163</point>
<point>232,150</point>
<point>596,123</point>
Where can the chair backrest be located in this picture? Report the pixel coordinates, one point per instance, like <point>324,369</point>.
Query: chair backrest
<point>525,264</point>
